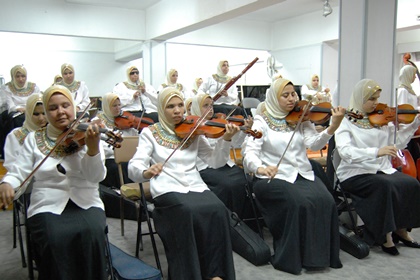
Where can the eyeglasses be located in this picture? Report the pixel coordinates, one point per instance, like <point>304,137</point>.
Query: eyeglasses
<point>134,73</point>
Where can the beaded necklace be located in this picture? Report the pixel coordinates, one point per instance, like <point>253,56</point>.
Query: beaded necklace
<point>165,139</point>
<point>277,124</point>
<point>21,134</point>
<point>28,90</point>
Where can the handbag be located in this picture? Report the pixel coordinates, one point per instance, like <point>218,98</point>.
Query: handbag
<point>247,243</point>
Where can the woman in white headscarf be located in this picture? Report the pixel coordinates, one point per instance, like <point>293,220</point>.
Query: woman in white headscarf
<point>232,191</point>
<point>78,89</point>
<point>406,94</point>
<point>386,200</point>
<point>34,119</point>
<point>66,216</point>
<point>315,92</point>
<point>229,98</point>
<point>172,81</point>
<point>136,96</point>
<point>183,202</point>
<point>295,197</point>
<point>111,108</point>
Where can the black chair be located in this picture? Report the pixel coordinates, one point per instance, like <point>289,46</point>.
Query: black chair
<point>257,219</point>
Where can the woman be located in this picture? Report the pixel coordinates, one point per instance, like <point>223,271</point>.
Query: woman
<point>315,92</point>
<point>406,94</point>
<point>172,81</point>
<point>136,96</point>
<point>231,192</point>
<point>297,207</point>
<point>111,108</point>
<point>66,215</point>
<point>34,119</point>
<point>196,246</point>
<point>78,89</point>
<point>229,98</point>
<point>17,92</point>
<point>386,200</point>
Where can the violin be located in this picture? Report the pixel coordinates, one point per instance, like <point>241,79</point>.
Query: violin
<point>383,114</point>
<point>74,140</point>
<point>318,114</point>
<point>127,120</point>
<point>404,162</point>
<point>214,128</point>
<point>236,119</point>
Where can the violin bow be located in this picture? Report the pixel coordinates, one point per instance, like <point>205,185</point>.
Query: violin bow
<point>291,138</point>
<point>203,116</point>
<point>22,188</point>
<point>142,107</point>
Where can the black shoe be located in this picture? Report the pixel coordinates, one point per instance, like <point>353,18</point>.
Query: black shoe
<point>390,250</point>
<point>408,243</point>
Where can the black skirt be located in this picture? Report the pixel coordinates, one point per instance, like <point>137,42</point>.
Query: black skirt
<point>195,232</point>
<point>385,202</point>
<point>229,185</point>
<point>303,219</point>
<point>70,245</point>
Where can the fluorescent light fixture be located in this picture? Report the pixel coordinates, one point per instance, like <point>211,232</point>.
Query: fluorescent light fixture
<point>327,8</point>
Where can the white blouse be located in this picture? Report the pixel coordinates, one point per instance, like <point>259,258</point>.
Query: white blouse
<point>358,147</point>
<point>404,97</point>
<point>129,103</point>
<point>268,150</point>
<point>211,87</point>
<point>52,189</point>
<point>180,173</point>
<point>12,147</point>
<point>311,93</point>
<point>15,101</point>
<point>81,96</point>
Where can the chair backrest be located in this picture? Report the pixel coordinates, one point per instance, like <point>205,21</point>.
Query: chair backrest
<point>127,150</point>
<point>335,159</point>
<point>250,102</point>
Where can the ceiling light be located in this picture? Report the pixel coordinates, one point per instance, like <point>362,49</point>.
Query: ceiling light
<point>327,8</point>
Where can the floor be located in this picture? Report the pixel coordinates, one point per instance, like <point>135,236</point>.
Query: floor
<point>377,265</point>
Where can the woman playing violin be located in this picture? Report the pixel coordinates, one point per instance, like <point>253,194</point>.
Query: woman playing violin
<point>386,200</point>
<point>196,247</point>
<point>111,108</point>
<point>66,215</point>
<point>297,207</point>
<point>232,191</point>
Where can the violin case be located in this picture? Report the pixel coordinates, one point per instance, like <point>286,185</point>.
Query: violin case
<point>352,244</point>
<point>247,243</point>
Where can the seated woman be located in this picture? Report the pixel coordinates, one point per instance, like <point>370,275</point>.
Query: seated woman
<point>232,191</point>
<point>196,246</point>
<point>172,81</point>
<point>386,200</point>
<point>34,120</point>
<point>315,92</point>
<point>111,108</point>
<point>297,207</point>
<point>66,216</point>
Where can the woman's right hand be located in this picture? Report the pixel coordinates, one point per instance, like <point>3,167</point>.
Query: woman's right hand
<point>153,170</point>
<point>387,151</point>
<point>269,171</point>
<point>6,194</point>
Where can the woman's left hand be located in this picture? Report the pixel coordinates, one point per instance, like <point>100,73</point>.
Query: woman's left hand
<point>248,122</point>
<point>92,138</point>
<point>231,130</point>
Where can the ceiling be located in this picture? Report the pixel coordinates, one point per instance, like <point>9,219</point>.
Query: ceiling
<point>283,10</point>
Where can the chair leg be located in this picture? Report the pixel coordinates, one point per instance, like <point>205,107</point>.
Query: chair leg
<point>139,239</point>
<point>28,241</point>
<point>149,225</point>
<point>15,212</point>
<point>122,214</point>
<point>251,196</point>
<point>108,255</point>
<point>19,229</point>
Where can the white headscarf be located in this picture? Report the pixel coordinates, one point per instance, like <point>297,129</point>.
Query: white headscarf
<point>52,131</point>
<point>128,71</point>
<point>107,101</point>
<point>64,67</point>
<point>197,103</point>
<point>272,100</point>
<point>14,71</point>
<point>406,77</point>
<point>163,98</point>
<point>220,76</point>
<point>169,75</point>
<point>363,90</point>
<point>31,103</point>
